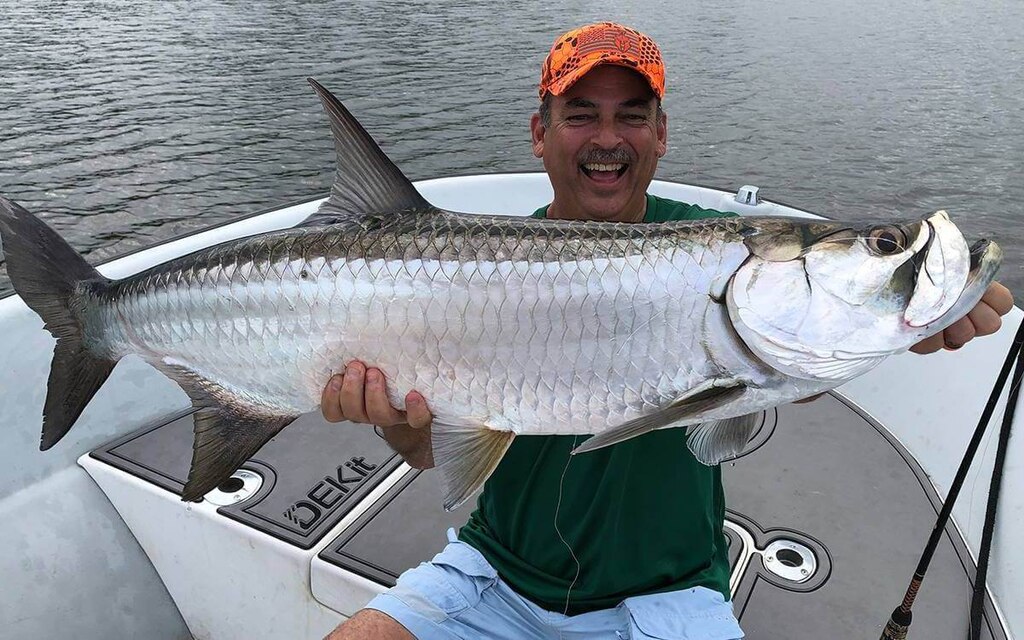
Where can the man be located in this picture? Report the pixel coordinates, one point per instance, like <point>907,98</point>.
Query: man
<point>562,547</point>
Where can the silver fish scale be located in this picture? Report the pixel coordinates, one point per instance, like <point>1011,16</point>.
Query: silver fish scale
<point>516,325</point>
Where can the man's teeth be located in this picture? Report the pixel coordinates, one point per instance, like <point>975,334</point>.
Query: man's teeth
<point>603,167</point>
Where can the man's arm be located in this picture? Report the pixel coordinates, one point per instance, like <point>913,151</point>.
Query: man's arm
<point>360,395</point>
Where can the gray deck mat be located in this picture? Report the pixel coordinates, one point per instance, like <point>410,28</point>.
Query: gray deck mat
<point>313,472</point>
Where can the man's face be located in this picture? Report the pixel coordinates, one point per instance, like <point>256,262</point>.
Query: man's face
<point>602,145</point>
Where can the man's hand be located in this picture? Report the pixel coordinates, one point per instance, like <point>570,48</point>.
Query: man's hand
<point>984,319</point>
<point>360,395</point>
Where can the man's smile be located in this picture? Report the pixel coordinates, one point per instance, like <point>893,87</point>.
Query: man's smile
<point>604,173</point>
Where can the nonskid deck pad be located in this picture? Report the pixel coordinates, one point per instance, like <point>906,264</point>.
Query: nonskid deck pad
<point>313,472</point>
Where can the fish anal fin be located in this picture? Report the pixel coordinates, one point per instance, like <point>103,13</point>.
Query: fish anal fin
<point>466,456</point>
<point>227,429</point>
<point>721,440</point>
<point>225,437</point>
<point>710,395</point>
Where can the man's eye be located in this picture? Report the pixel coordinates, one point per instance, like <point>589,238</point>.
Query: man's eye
<point>579,117</point>
<point>635,117</point>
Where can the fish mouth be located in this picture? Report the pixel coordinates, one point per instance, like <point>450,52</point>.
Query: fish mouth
<point>943,265</point>
<point>979,269</point>
<point>986,256</point>
<point>984,252</point>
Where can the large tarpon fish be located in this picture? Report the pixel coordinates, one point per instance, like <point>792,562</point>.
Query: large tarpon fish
<point>507,325</point>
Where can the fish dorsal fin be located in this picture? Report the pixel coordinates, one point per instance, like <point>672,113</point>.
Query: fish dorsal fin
<point>366,182</point>
<point>721,440</point>
<point>707,396</point>
<point>228,430</point>
<point>466,456</point>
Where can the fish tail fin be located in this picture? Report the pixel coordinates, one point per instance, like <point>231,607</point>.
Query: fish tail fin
<point>51,278</point>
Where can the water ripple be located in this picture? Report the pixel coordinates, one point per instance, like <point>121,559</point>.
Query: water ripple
<point>126,122</point>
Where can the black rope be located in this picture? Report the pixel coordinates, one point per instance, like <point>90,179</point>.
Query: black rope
<point>902,616</point>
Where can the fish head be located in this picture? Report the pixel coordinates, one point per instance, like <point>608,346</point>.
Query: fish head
<point>827,301</point>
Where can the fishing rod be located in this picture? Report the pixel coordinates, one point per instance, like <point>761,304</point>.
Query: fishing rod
<point>902,616</point>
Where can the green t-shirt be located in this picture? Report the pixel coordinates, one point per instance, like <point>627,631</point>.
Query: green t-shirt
<point>642,516</point>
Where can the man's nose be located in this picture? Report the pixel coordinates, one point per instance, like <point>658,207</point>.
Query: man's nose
<point>607,134</point>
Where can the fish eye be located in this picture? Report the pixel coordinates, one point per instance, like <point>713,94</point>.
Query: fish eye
<point>887,241</point>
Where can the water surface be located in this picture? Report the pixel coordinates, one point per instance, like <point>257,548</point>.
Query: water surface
<point>127,123</point>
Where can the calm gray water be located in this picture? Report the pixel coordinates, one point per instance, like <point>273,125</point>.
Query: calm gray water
<point>126,123</point>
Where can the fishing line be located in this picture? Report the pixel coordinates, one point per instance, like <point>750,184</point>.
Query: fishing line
<point>558,506</point>
<point>902,616</point>
<point>976,483</point>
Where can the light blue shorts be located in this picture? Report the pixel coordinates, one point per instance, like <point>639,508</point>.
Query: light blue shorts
<point>458,594</point>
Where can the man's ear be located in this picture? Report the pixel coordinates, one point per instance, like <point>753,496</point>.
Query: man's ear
<point>537,130</point>
<point>662,133</point>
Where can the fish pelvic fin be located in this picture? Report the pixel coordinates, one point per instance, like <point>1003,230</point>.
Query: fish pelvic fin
<point>225,437</point>
<point>466,457</point>
<point>366,182</point>
<point>52,279</point>
<point>715,442</point>
<point>710,395</point>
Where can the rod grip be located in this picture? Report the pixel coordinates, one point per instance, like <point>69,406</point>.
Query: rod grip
<point>898,625</point>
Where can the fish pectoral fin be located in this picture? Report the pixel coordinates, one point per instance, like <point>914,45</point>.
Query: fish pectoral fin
<point>466,457</point>
<point>715,442</point>
<point>710,395</point>
<point>225,437</point>
<point>366,182</point>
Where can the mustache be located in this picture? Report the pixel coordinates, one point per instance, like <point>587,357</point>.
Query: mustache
<point>606,156</point>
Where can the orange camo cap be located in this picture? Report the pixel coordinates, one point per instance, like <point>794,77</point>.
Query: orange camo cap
<point>578,51</point>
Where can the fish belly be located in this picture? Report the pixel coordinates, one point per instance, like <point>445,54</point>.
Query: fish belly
<point>530,347</point>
